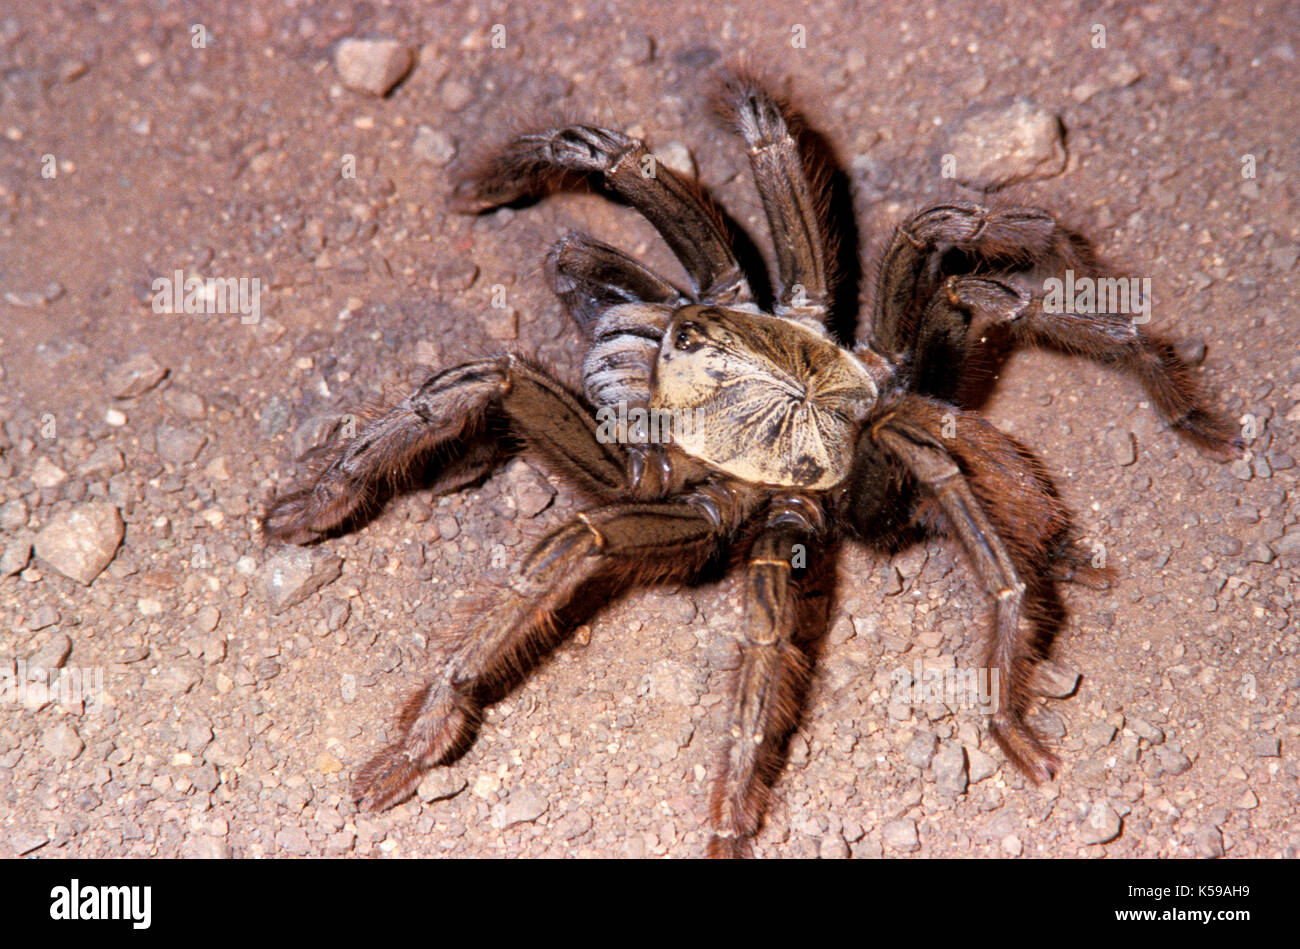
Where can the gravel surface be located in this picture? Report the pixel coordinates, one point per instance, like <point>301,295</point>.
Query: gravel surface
<point>187,691</point>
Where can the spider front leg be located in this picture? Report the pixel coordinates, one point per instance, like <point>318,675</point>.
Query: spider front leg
<point>1000,238</point>
<point>1115,340</point>
<point>1007,239</point>
<point>679,211</point>
<point>792,205</point>
<point>954,315</point>
<point>449,413</point>
<point>625,545</point>
<point>590,277</point>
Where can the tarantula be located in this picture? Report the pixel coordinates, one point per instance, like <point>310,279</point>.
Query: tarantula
<point>797,442</point>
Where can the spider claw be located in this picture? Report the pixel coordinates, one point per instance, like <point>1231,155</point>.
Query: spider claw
<point>1024,749</point>
<point>388,778</point>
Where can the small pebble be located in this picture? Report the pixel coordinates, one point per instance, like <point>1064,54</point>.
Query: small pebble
<point>373,66</point>
<point>901,835</point>
<point>81,542</point>
<point>134,377</point>
<point>1102,824</point>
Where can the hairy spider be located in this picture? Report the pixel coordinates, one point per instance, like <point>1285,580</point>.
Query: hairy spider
<point>796,441</point>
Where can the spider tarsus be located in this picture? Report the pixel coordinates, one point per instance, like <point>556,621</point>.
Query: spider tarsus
<point>1024,749</point>
<point>387,779</point>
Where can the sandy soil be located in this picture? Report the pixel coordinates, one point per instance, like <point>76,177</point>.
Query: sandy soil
<point>224,729</point>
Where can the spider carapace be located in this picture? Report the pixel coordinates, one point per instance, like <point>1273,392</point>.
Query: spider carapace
<point>787,440</point>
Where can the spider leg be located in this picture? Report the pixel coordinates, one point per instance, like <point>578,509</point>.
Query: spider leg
<point>590,277</point>
<point>952,318</point>
<point>911,286</point>
<point>1008,523</point>
<point>674,204</point>
<point>450,411</point>
<point>769,686</point>
<point>1110,339</point>
<point>629,544</point>
<point>1115,340</point>
<point>793,208</point>
<point>909,271</point>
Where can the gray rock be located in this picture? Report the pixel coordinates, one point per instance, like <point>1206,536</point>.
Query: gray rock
<point>979,765</point>
<point>1099,734</point>
<point>45,616</point>
<point>14,514</point>
<point>533,494</point>
<point>372,66</point>
<point>203,847</point>
<point>833,847</point>
<point>1102,824</point>
<point>296,573</point>
<point>23,841</point>
<point>315,433</point>
<point>62,742</point>
<point>1054,680</point>
<point>51,653</point>
<point>1191,350</point>
<point>574,824</point>
<point>292,841</point>
<point>1144,729</point>
<point>1209,842</point>
<point>186,404</point>
<point>1172,761</point>
<point>274,416</point>
<point>678,683</point>
<point>524,807</point>
<point>180,446</point>
<point>104,461</point>
<point>456,94</point>
<point>434,146</point>
<point>900,835</point>
<point>134,377</point>
<point>178,677</point>
<point>920,750</point>
<point>440,784</point>
<point>1012,141</point>
<point>1283,258</point>
<point>16,556</point>
<point>205,777</point>
<point>1288,545</point>
<point>950,774</point>
<point>1266,747</point>
<point>81,542</point>
<point>46,474</point>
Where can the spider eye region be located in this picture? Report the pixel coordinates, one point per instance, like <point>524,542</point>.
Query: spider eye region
<point>687,338</point>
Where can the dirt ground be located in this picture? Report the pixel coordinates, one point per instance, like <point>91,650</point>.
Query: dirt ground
<point>133,146</point>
